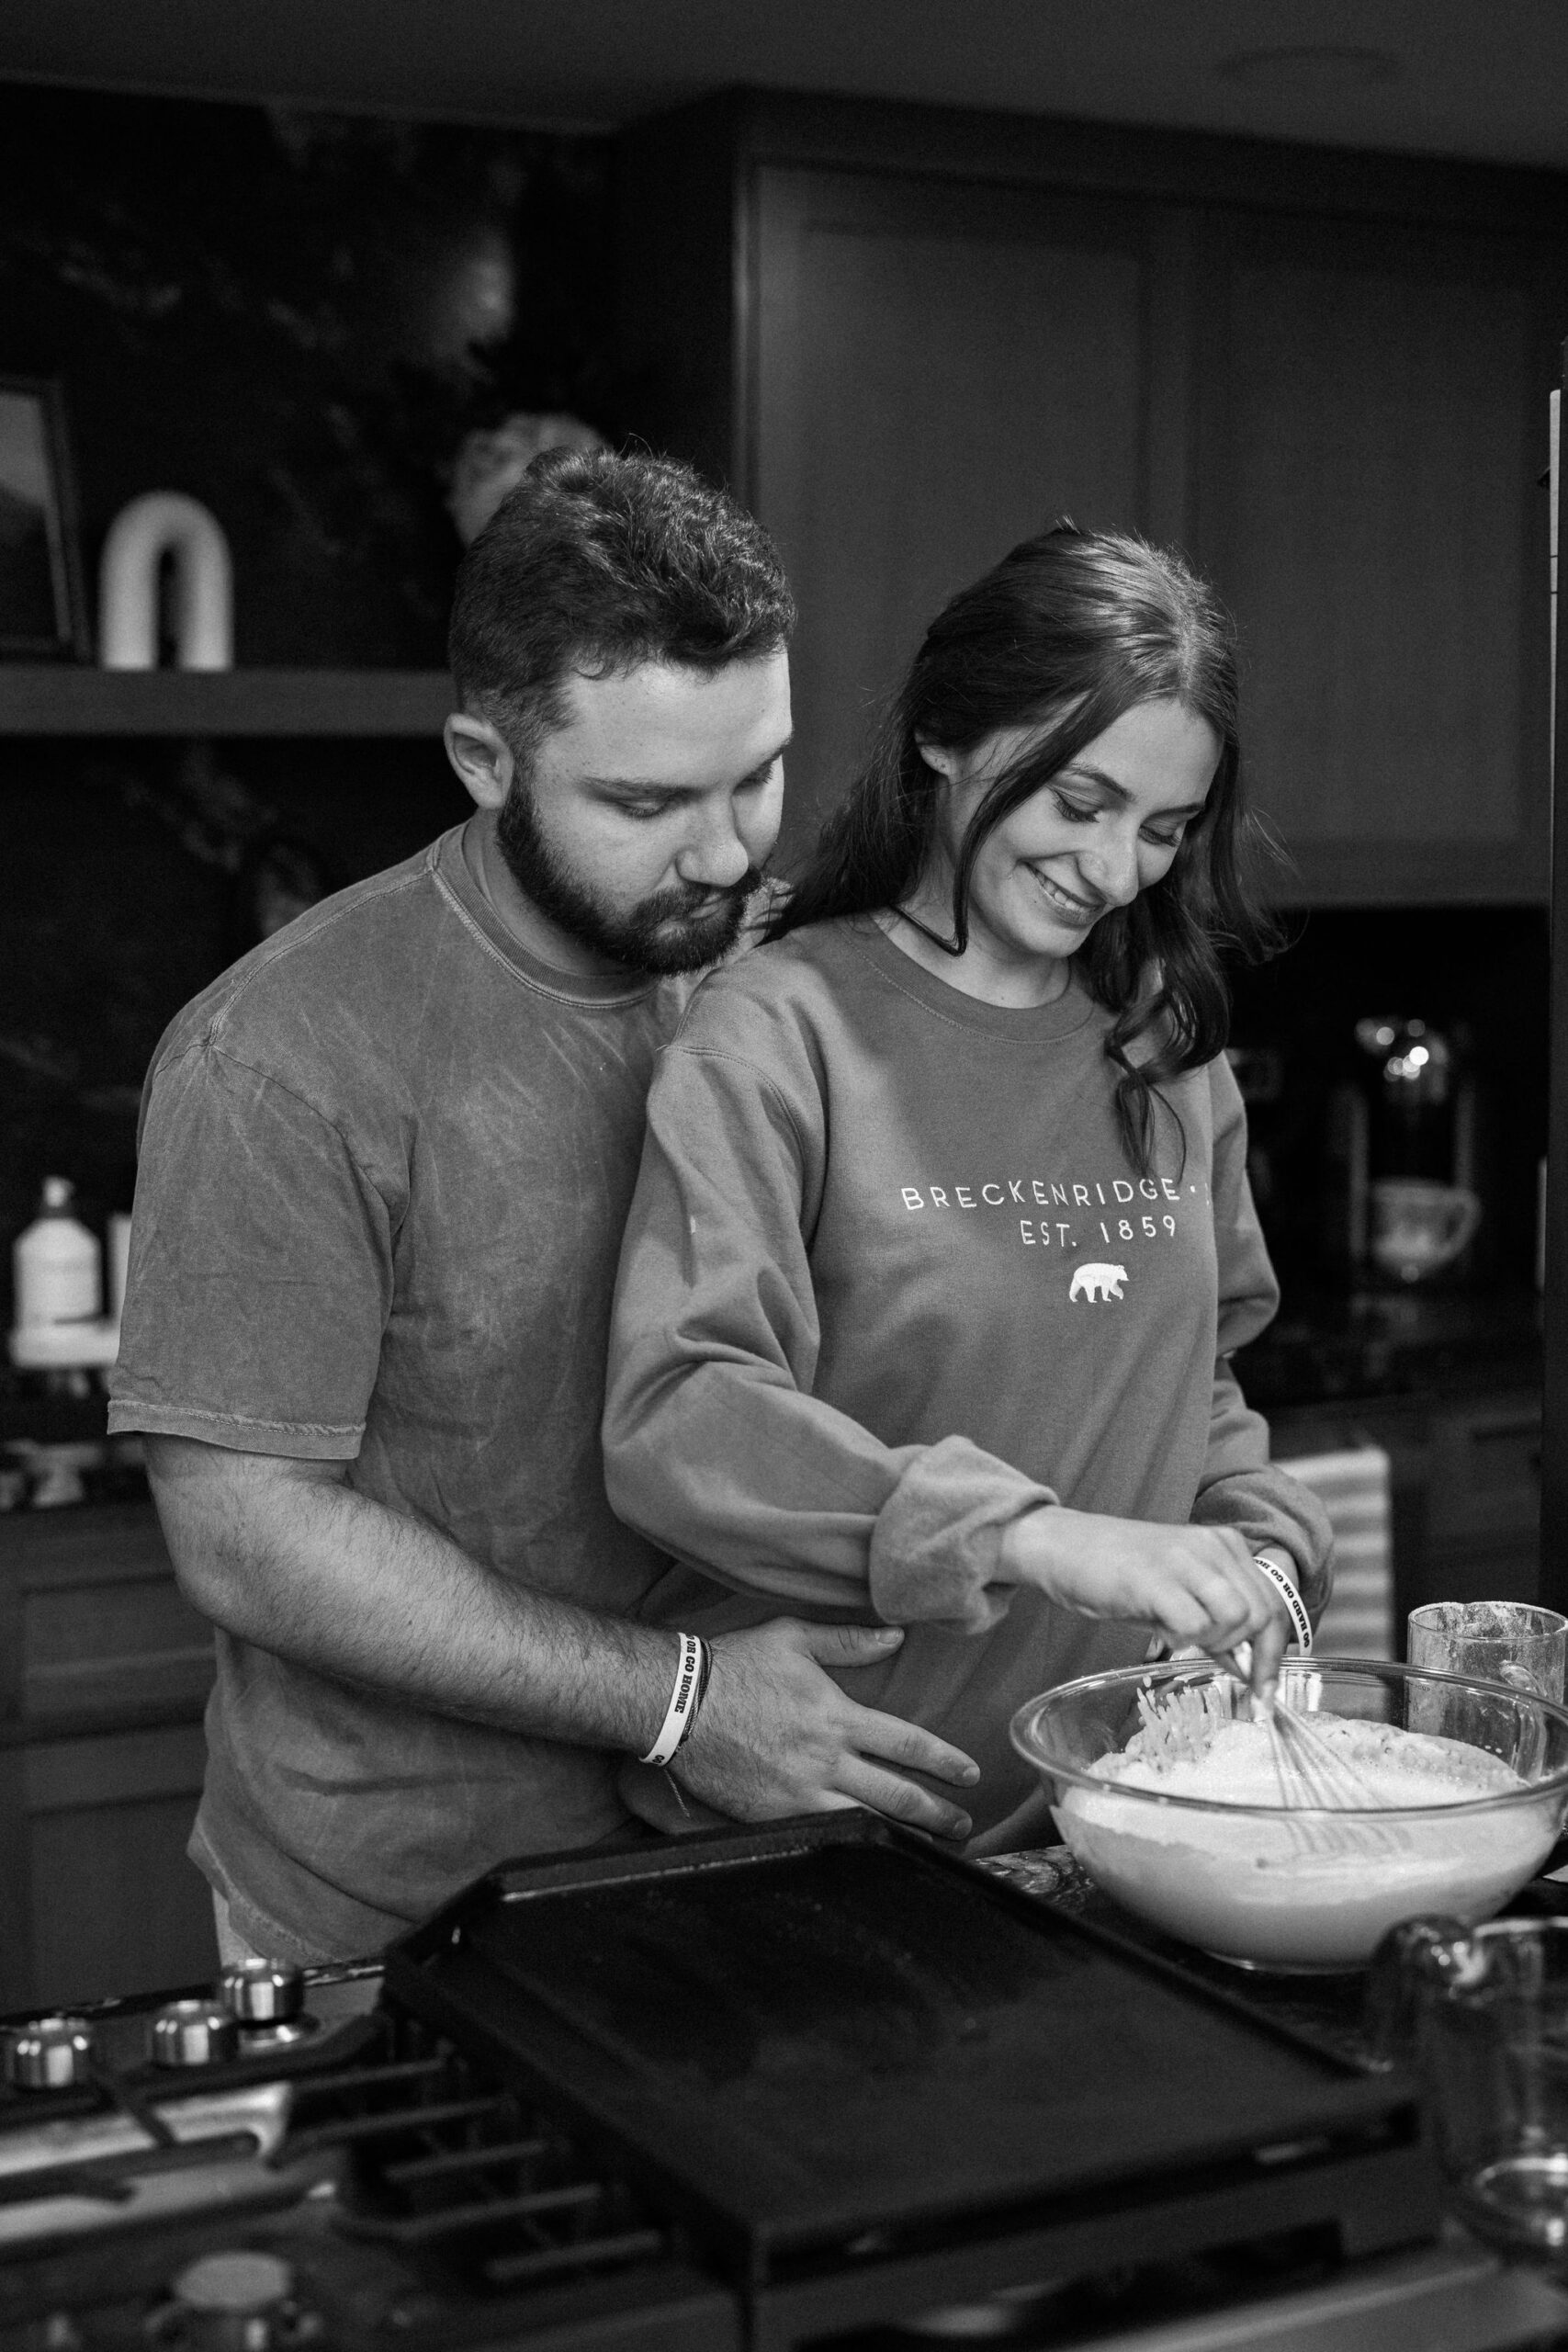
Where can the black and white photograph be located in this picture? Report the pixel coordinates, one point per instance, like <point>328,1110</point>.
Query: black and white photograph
<point>784,1176</point>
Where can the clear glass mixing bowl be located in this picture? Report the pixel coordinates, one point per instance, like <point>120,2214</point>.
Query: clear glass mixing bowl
<point>1312,1888</point>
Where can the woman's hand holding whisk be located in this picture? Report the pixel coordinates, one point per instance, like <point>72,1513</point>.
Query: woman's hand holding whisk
<point>1199,1585</point>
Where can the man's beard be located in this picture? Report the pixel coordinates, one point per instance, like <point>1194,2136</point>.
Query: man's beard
<point>678,930</point>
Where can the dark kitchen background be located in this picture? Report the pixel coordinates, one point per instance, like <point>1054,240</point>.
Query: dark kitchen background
<point>1289,298</point>
<point>296,317</point>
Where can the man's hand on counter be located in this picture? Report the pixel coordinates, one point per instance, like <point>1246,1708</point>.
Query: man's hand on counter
<point>287,1555</point>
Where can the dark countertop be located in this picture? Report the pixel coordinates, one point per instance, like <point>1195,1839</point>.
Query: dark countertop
<point>1323,1348</point>
<point>1330,1345</point>
<point>1329,2009</point>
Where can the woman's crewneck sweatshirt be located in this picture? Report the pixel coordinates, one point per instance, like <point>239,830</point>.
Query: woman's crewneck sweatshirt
<point>888,1282</point>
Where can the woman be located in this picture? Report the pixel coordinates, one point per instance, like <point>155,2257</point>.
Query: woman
<point>943,1238</point>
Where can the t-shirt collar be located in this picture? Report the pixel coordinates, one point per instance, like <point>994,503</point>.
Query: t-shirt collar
<point>451,865</point>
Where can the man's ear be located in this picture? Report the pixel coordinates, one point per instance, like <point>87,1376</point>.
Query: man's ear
<point>481,757</point>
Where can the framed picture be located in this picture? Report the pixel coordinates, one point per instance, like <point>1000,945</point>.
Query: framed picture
<point>44,614</point>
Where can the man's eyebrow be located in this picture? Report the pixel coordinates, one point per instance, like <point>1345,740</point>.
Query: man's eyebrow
<point>666,788</point>
<point>1075,770</point>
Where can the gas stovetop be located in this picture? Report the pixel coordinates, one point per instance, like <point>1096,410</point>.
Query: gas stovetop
<point>366,2185</point>
<point>812,2086</point>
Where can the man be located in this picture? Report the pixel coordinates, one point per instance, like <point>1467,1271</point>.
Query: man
<point>385,1164</point>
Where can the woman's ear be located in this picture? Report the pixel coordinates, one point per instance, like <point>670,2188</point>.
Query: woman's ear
<point>938,757</point>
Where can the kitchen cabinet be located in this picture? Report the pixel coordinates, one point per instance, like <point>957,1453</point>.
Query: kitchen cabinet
<point>1464,1487</point>
<point>908,336</point>
<point>104,1674</point>
<point>1371,433</point>
<point>997,339</point>
<point>1484,1500</point>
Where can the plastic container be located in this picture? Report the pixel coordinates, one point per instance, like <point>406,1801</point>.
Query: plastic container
<point>58,1264</point>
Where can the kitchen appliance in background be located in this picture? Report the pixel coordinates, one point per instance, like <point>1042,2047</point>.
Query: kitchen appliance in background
<point>1405,1150</point>
<point>1319,1134</point>
<point>1418,1228</point>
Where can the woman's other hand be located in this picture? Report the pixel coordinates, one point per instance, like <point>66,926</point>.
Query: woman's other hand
<point>777,1735</point>
<point>1198,1585</point>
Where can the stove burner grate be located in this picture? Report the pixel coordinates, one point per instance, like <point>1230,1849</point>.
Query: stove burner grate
<point>441,2162</point>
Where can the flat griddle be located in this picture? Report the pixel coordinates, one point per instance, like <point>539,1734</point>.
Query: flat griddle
<point>827,2042</point>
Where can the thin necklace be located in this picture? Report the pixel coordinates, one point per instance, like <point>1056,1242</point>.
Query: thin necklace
<point>951,947</point>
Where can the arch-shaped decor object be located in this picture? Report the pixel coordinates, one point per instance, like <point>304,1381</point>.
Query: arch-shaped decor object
<point>165,523</point>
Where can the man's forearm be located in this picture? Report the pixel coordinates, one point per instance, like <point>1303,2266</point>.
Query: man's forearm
<point>286,1554</point>
<point>289,1557</point>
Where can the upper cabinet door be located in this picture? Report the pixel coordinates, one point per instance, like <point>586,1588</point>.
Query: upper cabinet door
<point>907,339</point>
<point>938,372</point>
<point>1368,505</point>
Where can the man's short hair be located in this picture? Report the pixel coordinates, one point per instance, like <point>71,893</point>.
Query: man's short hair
<point>596,562</point>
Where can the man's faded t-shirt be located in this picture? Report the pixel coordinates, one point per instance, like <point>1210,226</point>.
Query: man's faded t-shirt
<point>385,1163</point>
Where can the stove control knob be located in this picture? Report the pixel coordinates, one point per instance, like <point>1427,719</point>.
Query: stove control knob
<point>261,1992</point>
<point>49,2054</point>
<point>235,2298</point>
<point>194,2033</point>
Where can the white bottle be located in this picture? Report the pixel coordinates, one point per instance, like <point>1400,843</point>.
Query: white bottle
<point>58,1263</point>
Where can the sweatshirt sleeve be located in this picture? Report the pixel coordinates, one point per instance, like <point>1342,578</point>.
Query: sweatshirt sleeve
<point>715,1446</point>
<point>1240,1486</point>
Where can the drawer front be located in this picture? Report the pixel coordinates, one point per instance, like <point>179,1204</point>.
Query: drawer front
<point>94,1629</point>
<point>110,1649</point>
<point>1485,1471</point>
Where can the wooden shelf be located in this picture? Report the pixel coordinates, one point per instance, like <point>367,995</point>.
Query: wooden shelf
<point>60,700</point>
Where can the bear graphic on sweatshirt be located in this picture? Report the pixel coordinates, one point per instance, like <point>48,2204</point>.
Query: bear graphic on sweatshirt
<point>1097,1282</point>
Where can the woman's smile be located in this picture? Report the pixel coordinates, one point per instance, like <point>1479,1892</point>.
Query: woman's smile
<point>1064,903</point>
<point>1107,826</point>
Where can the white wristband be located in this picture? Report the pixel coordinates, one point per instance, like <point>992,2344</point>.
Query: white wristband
<point>1293,1601</point>
<point>681,1700</point>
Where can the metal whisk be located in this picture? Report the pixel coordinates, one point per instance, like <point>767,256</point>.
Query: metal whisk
<point>1315,1777</point>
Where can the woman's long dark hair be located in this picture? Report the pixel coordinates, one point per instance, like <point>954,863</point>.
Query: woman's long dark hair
<point>1068,632</point>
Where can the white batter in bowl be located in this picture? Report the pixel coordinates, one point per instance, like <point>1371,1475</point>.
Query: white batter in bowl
<point>1170,1799</point>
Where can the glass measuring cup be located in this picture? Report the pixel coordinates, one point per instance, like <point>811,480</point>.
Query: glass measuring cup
<point>1505,1641</point>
